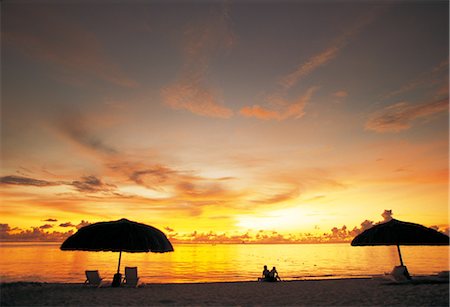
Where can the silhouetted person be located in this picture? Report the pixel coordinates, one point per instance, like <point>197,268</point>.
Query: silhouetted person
<point>265,274</point>
<point>273,275</point>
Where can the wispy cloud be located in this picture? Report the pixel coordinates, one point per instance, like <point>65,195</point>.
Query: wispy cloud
<point>281,108</point>
<point>47,34</point>
<point>340,94</point>
<point>92,184</point>
<point>158,173</point>
<point>68,224</point>
<point>279,197</point>
<point>438,75</point>
<point>324,57</point>
<point>46,226</point>
<point>191,91</point>
<point>78,129</point>
<point>310,65</point>
<point>87,184</point>
<point>19,180</point>
<point>196,97</point>
<point>400,116</point>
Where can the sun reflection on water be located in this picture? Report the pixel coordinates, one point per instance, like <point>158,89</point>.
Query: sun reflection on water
<point>221,262</point>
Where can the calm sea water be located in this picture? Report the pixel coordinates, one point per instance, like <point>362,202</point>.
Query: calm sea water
<point>208,263</point>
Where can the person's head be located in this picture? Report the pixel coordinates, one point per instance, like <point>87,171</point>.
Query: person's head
<point>265,267</point>
<point>274,268</point>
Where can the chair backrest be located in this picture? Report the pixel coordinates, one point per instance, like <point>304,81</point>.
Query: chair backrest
<point>131,276</point>
<point>93,277</point>
<point>131,273</point>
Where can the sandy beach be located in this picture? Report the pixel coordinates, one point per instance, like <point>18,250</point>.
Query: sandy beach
<point>343,292</point>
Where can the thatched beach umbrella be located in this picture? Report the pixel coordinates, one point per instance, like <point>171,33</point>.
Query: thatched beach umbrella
<point>118,236</point>
<point>398,233</point>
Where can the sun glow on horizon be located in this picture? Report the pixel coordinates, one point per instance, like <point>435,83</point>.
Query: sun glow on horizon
<point>287,219</point>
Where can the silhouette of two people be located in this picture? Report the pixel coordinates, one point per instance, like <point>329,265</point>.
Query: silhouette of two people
<point>271,275</point>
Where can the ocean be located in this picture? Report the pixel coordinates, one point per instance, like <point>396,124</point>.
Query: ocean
<point>45,262</point>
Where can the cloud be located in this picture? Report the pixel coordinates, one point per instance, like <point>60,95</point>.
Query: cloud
<point>400,116</point>
<point>35,234</point>
<point>259,112</point>
<point>191,91</point>
<point>4,228</point>
<point>83,223</point>
<point>48,35</point>
<point>324,57</point>
<point>87,184</point>
<point>344,235</point>
<point>277,198</point>
<point>437,75</point>
<point>387,215</point>
<point>68,224</point>
<point>336,234</point>
<point>445,229</point>
<point>92,184</point>
<point>78,129</point>
<point>158,173</point>
<point>19,180</point>
<point>282,109</point>
<point>156,177</point>
<point>340,94</point>
<point>46,226</point>
<point>310,65</point>
<point>174,185</point>
<point>196,98</point>
<point>50,220</point>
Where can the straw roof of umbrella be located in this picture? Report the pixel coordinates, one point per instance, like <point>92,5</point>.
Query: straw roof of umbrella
<point>116,236</point>
<point>397,232</point>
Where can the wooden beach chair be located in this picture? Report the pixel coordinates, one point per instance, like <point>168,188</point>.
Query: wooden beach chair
<point>93,279</point>
<point>131,277</point>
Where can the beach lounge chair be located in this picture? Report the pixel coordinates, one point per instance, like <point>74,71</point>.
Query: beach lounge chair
<point>131,277</point>
<point>93,279</point>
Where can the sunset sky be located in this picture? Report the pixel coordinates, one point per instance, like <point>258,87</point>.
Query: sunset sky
<point>224,117</point>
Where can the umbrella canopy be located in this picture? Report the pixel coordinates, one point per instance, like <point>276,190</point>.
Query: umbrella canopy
<point>118,236</point>
<point>398,233</point>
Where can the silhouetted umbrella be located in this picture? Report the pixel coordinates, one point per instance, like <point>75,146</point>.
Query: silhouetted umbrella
<point>398,233</point>
<point>118,236</point>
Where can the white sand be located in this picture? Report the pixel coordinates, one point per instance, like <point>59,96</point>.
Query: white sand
<point>348,292</point>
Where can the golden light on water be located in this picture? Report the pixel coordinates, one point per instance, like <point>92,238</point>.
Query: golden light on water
<point>221,262</point>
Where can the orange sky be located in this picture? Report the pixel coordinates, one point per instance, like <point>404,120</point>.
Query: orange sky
<point>208,119</point>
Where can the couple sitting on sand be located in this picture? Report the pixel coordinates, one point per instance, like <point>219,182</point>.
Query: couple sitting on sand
<point>271,275</point>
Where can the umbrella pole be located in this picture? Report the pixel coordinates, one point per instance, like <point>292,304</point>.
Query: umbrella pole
<point>120,256</point>
<point>400,255</point>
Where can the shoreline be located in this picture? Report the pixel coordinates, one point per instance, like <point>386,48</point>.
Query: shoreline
<point>9,283</point>
<point>325,292</point>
